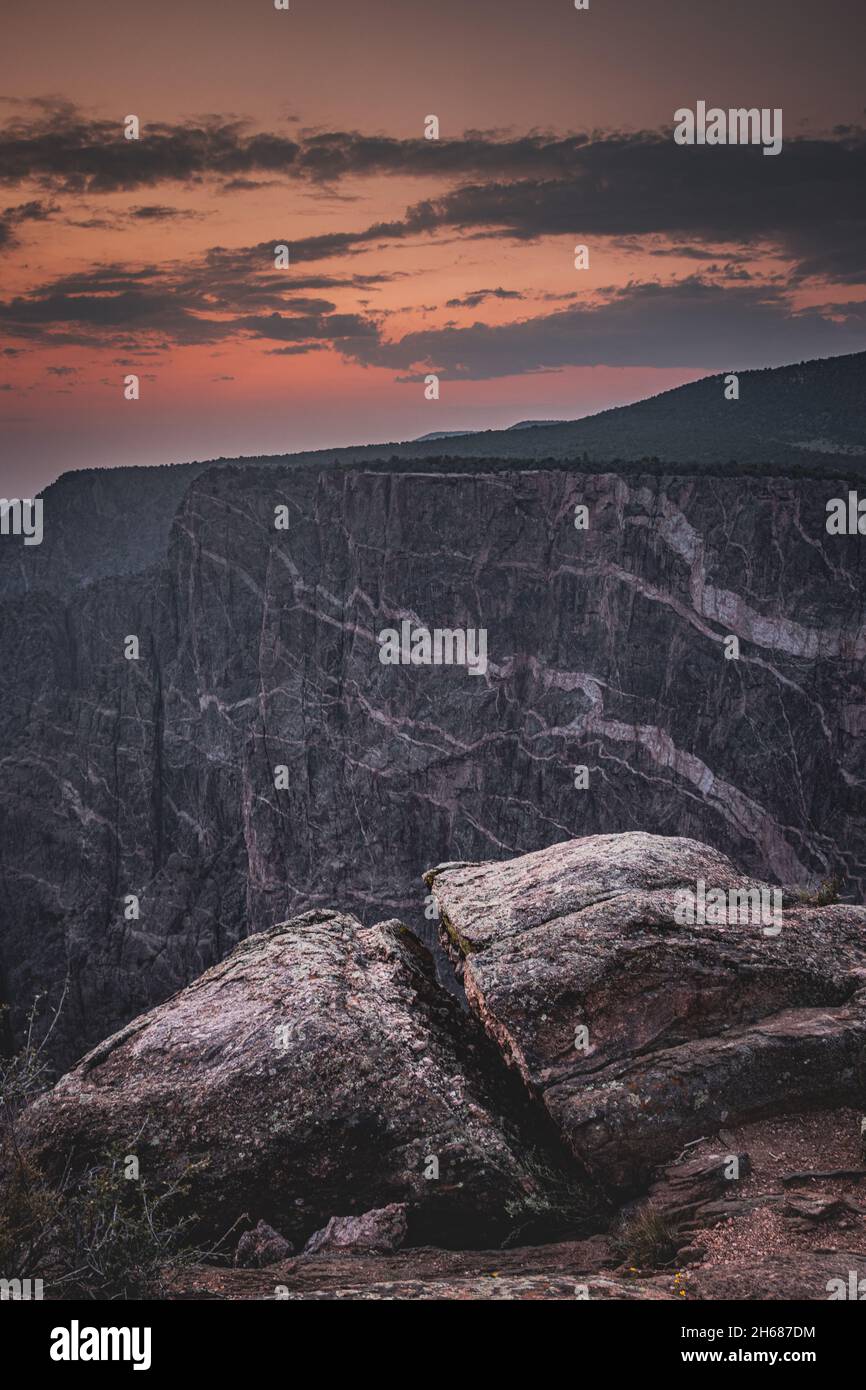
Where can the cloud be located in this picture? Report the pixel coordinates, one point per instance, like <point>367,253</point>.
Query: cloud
<point>810,204</point>
<point>690,323</point>
<point>724,209</point>
<point>298,328</point>
<point>68,152</point>
<point>160,212</point>
<point>642,187</point>
<point>203,301</point>
<point>476,297</point>
<point>695,321</point>
<point>63,149</point>
<point>838,257</point>
<point>10,218</point>
<point>295,350</point>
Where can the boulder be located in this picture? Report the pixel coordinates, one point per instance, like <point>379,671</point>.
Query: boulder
<point>383,1229</point>
<point>318,1069</point>
<point>640,1034</point>
<point>818,1207</point>
<point>261,1247</point>
<point>695,1193</point>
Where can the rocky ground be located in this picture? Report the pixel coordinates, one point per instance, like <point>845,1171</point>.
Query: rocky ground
<point>764,1236</point>
<point>630,1107</point>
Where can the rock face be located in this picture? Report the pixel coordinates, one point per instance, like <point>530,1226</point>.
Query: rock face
<point>154,778</point>
<point>640,1034</point>
<point>810,416</point>
<point>319,1070</point>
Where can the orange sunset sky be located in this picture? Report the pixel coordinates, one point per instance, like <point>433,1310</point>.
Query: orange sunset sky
<point>408,255</point>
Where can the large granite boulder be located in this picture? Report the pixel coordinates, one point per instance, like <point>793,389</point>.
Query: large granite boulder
<point>318,1071</point>
<point>641,1034</point>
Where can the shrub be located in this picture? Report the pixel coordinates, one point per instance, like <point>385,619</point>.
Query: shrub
<point>98,1235</point>
<point>559,1203</point>
<point>645,1239</point>
<point>824,895</point>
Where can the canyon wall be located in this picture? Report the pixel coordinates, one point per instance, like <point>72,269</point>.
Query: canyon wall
<point>608,648</point>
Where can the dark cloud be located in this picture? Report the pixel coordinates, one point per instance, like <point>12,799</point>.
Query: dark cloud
<point>691,323</point>
<point>311,326</point>
<point>65,150</point>
<point>33,211</point>
<point>674,249</point>
<point>476,297</point>
<point>810,202</point>
<point>10,218</point>
<point>696,321</point>
<point>645,187</point>
<point>247,185</point>
<point>840,256</point>
<point>295,350</point>
<point>182,304</point>
<point>70,153</point>
<point>721,207</point>
<point>160,212</point>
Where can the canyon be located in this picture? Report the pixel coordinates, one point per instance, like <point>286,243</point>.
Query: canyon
<point>258,649</point>
<point>384,962</point>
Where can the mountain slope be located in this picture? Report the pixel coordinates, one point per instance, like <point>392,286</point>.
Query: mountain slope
<point>807,419</point>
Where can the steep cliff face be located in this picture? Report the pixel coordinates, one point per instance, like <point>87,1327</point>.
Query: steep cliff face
<point>259,650</point>
<point>808,419</point>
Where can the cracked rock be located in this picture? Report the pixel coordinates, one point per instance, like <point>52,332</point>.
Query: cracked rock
<point>640,1035</point>
<point>320,1068</point>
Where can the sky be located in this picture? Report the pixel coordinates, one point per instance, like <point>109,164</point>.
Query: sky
<point>305,127</point>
